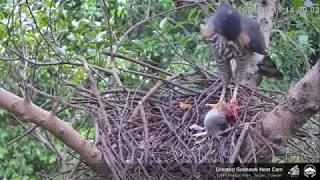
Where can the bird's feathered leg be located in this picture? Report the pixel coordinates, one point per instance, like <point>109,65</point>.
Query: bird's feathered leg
<point>223,93</point>
<point>240,71</point>
<point>224,68</point>
<point>235,93</point>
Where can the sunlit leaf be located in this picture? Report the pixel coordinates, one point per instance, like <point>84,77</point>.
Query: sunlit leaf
<point>163,22</point>
<point>138,43</point>
<point>71,37</point>
<point>303,39</point>
<point>79,75</point>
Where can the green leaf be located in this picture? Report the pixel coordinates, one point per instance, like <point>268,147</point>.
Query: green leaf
<point>2,16</point>
<point>3,31</point>
<point>163,75</point>
<point>138,44</point>
<point>79,76</point>
<point>298,3</point>
<point>283,36</point>
<point>191,13</point>
<point>67,68</point>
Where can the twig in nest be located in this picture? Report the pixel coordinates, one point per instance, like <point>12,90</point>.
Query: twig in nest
<point>240,141</point>
<point>146,133</point>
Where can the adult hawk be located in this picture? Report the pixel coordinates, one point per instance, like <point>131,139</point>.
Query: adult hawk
<point>232,36</point>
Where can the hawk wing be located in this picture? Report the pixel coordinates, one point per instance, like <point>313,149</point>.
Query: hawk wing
<point>251,36</point>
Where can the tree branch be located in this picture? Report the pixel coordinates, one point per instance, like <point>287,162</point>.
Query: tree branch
<point>29,112</point>
<point>301,103</point>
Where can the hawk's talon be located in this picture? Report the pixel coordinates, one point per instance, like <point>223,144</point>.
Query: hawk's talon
<point>200,134</point>
<point>196,127</point>
<point>200,141</point>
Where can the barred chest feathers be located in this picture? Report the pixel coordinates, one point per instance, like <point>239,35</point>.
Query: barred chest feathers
<point>227,50</point>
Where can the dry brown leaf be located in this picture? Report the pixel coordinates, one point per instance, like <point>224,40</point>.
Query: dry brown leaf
<point>184,106</point>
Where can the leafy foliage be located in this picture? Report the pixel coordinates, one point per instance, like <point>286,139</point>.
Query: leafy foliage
<point>22,160</point>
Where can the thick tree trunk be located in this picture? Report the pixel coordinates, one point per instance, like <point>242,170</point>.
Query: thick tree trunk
<point>29,112</point>
<point>301,103</point>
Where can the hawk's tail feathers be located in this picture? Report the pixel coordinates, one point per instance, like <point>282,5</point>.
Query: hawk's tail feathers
<point>269,69</point>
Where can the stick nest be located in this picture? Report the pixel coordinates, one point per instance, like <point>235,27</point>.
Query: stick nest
<point>144,131</point>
